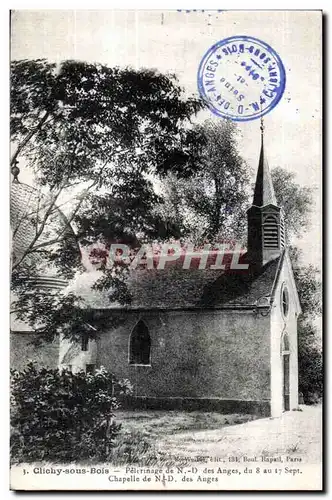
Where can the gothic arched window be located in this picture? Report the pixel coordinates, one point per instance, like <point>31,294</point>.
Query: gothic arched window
<point>140,345</point>
<point>284,301</point>
<point>270,232</point>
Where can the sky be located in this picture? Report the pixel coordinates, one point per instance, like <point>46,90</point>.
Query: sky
<point>175,42</point>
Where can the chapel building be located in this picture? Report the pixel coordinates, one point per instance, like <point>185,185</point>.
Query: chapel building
<point>198,339</point>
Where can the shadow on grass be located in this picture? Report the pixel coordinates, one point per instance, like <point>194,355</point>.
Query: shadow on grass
<point>142,431</point>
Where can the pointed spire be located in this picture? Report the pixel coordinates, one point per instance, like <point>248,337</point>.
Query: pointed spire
<point>264,192</point>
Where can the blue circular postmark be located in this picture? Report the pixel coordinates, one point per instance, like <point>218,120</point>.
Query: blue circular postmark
<point>241,78</point>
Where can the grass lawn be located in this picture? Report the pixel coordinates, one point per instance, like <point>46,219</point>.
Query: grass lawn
<point>143,433</point>
<point>163,423</point>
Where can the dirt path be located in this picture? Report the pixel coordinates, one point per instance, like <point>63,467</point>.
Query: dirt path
<point>295,434</point>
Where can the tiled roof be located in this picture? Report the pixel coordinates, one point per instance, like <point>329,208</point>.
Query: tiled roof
<point>175,288</point>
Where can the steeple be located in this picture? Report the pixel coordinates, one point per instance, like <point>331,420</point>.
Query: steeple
<point>264,192</point>
<point>266,233</point>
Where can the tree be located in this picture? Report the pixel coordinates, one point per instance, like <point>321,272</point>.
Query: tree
<point>309,345</point>
<point>73,121</point>
<point>310,363</point>
<point>296,201</point>
<point>211,204</point>
<point>94,135</point>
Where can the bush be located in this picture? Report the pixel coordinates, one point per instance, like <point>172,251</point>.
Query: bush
<point>61,416</point>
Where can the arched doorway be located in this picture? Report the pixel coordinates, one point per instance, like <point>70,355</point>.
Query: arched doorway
<point>285,354</point>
